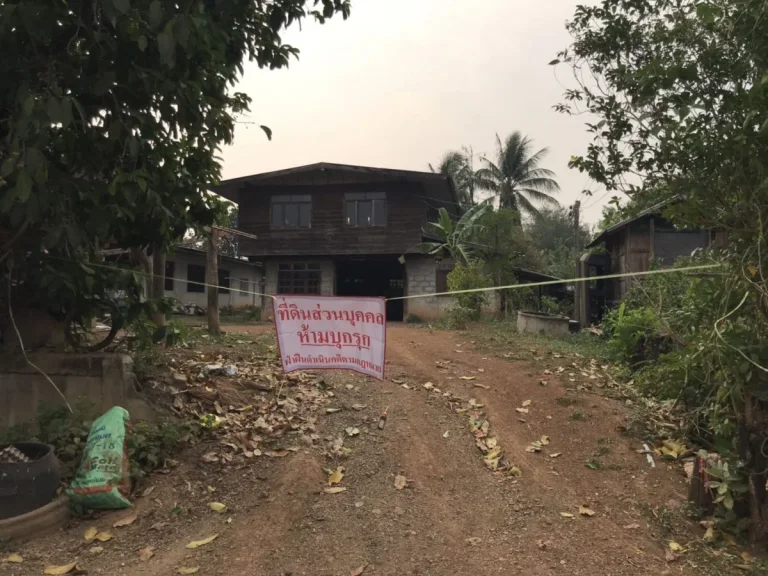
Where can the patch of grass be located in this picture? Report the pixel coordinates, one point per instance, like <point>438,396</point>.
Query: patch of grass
<point>503,333</point>
<point>577,417</point>
<point>603,448</point>
<point>567,401</point>
<point>593,464</point>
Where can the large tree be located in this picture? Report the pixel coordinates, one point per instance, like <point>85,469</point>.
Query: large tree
<point>679,93</point>
<point>516,177</point>
<point>111,115</point>
<point>460,166</point>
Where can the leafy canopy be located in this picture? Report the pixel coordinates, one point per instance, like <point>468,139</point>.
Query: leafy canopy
<point>453,239</point>
<point>111,114</point>
<point>516,177</point>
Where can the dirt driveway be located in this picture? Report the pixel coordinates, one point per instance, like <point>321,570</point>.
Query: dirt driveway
<point>455,516</point>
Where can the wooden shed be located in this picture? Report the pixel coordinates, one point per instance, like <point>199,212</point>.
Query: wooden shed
<point>631,246</point>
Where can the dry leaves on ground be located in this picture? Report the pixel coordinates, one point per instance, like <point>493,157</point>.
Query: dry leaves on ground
<point>146,553</point>
<point>584,511</point>
<point>126,520</point>
<point>184,570</point>
<point>198,543</point>
<point>13,558</point>
<point>335,490</point>
<point>336,476</point>
<point>60,570</point>
<point>400,482</point>
<point>217,507</point>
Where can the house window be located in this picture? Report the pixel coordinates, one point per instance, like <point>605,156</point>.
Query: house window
<point>170,268</point>
<point>298,279</point>
<point>195,273</point>
<point>223,281</point>
<point>291,212</point>
<point>365,209</point>
<point>244,286</point>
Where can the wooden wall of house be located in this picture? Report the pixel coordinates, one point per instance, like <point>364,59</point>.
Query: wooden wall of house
<point>407,209</point>
<point>634,247</point>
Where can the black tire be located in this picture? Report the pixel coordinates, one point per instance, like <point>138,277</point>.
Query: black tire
<point>71,329</point>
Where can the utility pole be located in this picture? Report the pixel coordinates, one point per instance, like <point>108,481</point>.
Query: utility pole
<point>212,279</point>
<point>577,236</point>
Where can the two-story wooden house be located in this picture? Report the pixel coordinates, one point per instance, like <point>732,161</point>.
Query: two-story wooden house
<point>335,229</point>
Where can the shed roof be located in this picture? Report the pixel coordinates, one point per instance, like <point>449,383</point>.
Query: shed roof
<point>437,186</point>
<point>652,211</point>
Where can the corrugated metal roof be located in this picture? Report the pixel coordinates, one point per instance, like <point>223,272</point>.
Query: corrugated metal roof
<point>652,211</point>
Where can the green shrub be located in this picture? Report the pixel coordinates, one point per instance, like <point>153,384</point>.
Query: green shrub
<point>458,318</point>
<point>635,335</point>
<point>468,277</point>
<point>413,319</point>
<point>253,313</point>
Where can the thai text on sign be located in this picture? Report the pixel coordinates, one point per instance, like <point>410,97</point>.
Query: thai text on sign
<point>324,332</point>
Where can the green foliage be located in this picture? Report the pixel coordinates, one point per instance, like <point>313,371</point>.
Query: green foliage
<point>467,277</point>
<point>459,318</point>
<point>551,236</point>
<point>452,239</point>
<point>459,165</point>
<point>516,178</point>
<point>115,144</point>
<point>552,305</point>
<point>413,319</point>
<point>149,445</point>
<point>633,333</point>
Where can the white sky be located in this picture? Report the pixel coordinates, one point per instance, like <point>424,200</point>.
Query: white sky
<point>403,81</point>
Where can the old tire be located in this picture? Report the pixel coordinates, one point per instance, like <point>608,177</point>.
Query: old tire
<point>27,486</point>
<point>49,518</point>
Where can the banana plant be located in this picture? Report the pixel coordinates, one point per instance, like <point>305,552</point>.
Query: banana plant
<point>452,239</point>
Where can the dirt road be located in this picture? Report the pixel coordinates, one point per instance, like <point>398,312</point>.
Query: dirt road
<point>455,516</point>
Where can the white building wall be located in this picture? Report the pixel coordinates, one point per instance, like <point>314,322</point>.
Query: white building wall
<point>237,272</point>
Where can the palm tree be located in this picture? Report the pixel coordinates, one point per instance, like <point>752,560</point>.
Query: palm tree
<point>459,165</point>
<point>516,177</point>
<point>452,239</point>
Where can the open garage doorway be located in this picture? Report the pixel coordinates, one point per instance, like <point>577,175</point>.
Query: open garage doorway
<point>373,276</point>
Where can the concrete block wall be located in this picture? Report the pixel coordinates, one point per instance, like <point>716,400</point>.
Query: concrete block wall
<point>104,379</point>
<point>421,278</point>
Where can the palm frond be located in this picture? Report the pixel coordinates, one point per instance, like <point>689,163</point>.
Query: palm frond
<point>525,206</point>
<point>538,196</point>
<point>541,184</point>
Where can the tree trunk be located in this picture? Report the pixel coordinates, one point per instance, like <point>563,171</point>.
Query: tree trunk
<point>158,287</point>
<point>145,262</point>
<point>212,279</point>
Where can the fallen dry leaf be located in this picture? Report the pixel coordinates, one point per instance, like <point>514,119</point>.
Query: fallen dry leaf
<point>217,507</point>
<point>352,431</point>
<point>544,440</point>
<point>675,547</point>
<point>428,385</point>
<point>483,386</point>
<point>14,559</point>
<point>335,490</point>
<point>148,491</point>
<point>446,434</point>
<point>103,536</point>
<point>96,550</point>
<point>522,410</point>
<point>183,570</point>
<point>58,570</point>
<point>709,535</point>
<point>126,520</point>
<point>526,403</point>
<point>197,543</point>
<point>210,489</point>
<point>544,544</point>
<point>631,526</point>
<point>400,482</point>
<point>90,533</point>
<point>555,454</point>
<point>146,553</point>
<point>567,515</point>
<point>359,406</point>
<point>584,511</point>
<point>473,541</point>
<point>467,377</point>
<point>359,571</point>
<point>670,556</point>
<point>336,476</point>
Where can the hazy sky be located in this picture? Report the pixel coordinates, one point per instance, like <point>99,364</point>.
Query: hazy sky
<point>402,81</point>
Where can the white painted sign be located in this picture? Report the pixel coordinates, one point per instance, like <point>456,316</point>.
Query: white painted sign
<point>331,332</point>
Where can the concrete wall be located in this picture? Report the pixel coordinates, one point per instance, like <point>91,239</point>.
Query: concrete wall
<point>421,278</point>
<point>105,379</point>
<point>237,271</point>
